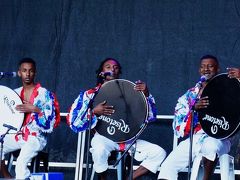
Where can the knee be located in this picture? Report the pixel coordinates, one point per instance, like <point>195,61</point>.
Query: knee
<point>100,155</point>
<point>158,152</point>
<point>163,153</point>
<point>100,150</point>
<point>209,148</point>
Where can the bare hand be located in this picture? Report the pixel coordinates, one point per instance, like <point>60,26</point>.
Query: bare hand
<point>27,108</point>
<point>202,103</point>
<point>233,72</point>
<point>141,86</point>
<point>103,109</point>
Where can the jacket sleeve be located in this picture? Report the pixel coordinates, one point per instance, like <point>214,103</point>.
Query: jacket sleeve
<point>79,114</point>
<point>152,110</point>
<point>182,113</point>
<point>46,101</point>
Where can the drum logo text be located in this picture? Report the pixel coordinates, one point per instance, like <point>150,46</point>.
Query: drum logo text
<point>216,123</point>
<point>9,103</point>
<point>114,124</point>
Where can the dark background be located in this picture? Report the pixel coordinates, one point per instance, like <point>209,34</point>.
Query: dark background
<point>157,41</point>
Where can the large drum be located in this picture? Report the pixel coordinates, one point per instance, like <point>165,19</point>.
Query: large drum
<point>221,118</point>
<point>8,114</point>
<point>131,110</point>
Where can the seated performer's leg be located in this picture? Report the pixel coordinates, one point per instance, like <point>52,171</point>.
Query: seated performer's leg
<point>9,145</point>
<point>211,150</point>
<point>101,150</point>
<point>209,167</point>
<point>4,170</point>
<point>29,149</point>
<point>175,161</point>
<point>151,156</point>
<point>179,158</point>
<point>102,175</point>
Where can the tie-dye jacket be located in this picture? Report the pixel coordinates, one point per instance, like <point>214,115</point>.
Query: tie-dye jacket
<point>79,114</point>
<point>183,115</point>
<point>38,124</point>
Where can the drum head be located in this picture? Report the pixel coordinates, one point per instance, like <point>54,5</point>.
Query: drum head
<point>221,118</point>
<point>130,110</point>
<point>8,114</point>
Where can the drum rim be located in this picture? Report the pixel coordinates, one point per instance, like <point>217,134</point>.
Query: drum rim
<point>220,75</point>
<point>144,123</point>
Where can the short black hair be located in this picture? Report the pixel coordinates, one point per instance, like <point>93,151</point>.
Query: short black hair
<point>208,56</point>
<point>27,60</point>
<point>100,68</point>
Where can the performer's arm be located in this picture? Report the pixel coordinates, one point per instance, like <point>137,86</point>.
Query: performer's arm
<point>79,114</point>
<point>152,113</point>
<point>44,110</point>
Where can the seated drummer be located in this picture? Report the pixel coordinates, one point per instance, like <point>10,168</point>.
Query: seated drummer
<point>41,110</point>
<point>209,147</point>
<point>150,154</point>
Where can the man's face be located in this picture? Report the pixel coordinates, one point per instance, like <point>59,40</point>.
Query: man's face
<point>111,66</point>
<point>27,73</point>
<point>208,68</point>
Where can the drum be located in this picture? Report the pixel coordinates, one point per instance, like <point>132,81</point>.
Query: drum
<point>221,118</point>
<point>131,110</point>
<point>8,114</point>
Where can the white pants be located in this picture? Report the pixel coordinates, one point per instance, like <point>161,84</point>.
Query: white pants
<point>150,154</point>
<point>178,158</point>
<point>29,149</point>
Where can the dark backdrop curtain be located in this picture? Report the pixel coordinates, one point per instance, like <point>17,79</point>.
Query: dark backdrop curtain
<point>157,41</point>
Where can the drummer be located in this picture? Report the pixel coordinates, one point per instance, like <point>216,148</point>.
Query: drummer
<point>41,114</point>
<point>210,148</point>
<point>150,154</point>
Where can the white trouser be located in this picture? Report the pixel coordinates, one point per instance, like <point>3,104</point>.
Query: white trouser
<point>178,158</point>
<point>29,149</point>
<point>150,154</point>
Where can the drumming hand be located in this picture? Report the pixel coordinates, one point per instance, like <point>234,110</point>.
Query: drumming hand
<point>103,109</point>
<point>233,72</point>
<point>27,108</point>
<point>202,103</point>
<point>141,86</point>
